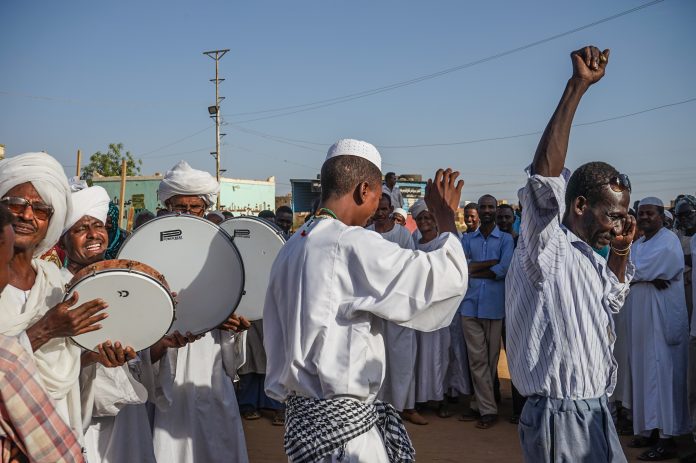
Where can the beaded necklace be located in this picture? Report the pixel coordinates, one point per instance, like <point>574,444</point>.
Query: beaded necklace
<point>322,213</point>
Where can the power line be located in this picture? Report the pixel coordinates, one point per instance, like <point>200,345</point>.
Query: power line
<point>297,142</point>
<point>294,109</point>
<point>176,142</point>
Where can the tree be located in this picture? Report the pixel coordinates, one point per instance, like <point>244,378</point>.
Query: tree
<point>109,164</point>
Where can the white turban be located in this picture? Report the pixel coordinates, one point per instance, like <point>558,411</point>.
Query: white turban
<point>668,215</point>
<point>418,207</point>
<point>48,178</point>
<point>401,212</point>
<point>182,179</point>
<point>359,148</point>
<point>651,201</point>
<point>76,184</point>
<point>92,201</point>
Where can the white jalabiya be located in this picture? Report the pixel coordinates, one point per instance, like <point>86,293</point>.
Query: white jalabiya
<point>203,422</point>
<point>115,419</point>
<point>58,361</point>
<point>331,286</point>
<point>433,355</point>
<point>659,336</point>
<point>399,388</point>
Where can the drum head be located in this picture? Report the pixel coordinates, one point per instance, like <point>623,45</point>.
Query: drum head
<point>259,243</point>
<point>141,309</point>
<point>200,263</point>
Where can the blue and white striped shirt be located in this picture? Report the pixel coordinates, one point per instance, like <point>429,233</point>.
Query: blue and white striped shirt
<point>560,297</point>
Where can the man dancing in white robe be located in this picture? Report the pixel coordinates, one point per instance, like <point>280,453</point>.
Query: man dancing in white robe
<point>659,334</point>
<point>331,287</point>
<point>203,423</point>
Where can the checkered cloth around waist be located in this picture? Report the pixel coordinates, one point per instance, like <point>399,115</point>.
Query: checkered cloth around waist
<point>315,428</point>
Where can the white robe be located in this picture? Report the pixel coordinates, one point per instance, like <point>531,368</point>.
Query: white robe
<point>433,355</point>
<point>58,361</point>
<point>331,286</point>
<point>399,388</point>
<point>659,336</point>
<point>203,423</point>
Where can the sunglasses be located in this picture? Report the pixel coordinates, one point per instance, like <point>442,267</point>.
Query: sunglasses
<point>620,183</point>
<point>17,206</point>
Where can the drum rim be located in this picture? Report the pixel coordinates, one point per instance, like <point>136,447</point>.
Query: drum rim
<point>214,226</point>
<point>274,228</point>
<point>70,288</point>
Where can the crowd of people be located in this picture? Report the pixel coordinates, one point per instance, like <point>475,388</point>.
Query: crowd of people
<point>366,322</point>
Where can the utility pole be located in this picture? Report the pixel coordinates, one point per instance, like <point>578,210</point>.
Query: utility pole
<point>214,111</point>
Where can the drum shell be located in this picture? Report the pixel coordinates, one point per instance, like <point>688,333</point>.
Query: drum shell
<point>259,242</point>
<point>138,336</point>
<point>200,262</point>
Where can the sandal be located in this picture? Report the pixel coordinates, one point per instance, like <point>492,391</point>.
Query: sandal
<point>414,417</point>
<point>251,415</point>
<point>443,411</point>
<point>486,421</point>
<point>659,453</point>
<point>469,415</point>
<point>279,418</point>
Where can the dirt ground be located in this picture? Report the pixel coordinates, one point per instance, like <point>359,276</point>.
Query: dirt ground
<point>442,440</point>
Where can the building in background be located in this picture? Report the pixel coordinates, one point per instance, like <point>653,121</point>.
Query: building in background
<point>240,196</point>
<point>304,192</point>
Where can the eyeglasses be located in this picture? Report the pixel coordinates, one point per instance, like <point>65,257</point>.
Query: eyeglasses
<point>16,205</point>
<point>183,208</point>
<point>620,183</point>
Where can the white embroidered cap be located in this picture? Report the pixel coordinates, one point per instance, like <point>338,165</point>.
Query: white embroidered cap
<point>651,201</point>
<point>351,147</point>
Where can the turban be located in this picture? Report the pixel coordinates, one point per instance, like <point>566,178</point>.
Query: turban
<point>401,212</point>
<point>48,178</point>
<point>76,184</point>
<point>668,215</point>
<point>92,201</point>
<point>184,180</point>
<point>651,201</point>
<point>361,149</point>
<point>418,207</point>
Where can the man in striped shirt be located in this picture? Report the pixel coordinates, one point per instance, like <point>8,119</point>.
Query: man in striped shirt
<point>560,294</point>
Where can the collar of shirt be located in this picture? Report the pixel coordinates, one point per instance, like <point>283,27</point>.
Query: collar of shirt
<point>495,233</point>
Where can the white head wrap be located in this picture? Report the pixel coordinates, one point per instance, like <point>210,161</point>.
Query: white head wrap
<point>418,207</point>
<point>92,201</point>
<point>76,184</point>
<point>183,179</point>
<point>651,201</point>
<point>668,215</point>
<point>350,147</point>
<point>48,178</point>
<point>401,212</point>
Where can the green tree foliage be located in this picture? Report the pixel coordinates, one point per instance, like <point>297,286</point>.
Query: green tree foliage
<point>109,164</point>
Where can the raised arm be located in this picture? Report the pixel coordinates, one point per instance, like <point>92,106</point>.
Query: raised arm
<point>588,67</point>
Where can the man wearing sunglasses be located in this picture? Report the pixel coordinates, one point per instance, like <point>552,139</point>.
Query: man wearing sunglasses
<point>34,188</point>
<point>560,295</point>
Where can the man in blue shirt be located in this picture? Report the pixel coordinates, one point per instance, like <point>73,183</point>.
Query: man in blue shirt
<point>489,252</point>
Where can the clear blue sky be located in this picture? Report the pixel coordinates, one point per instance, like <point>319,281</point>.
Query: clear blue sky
<point>83,74</point>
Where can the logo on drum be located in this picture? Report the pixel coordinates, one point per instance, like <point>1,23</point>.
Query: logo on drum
<point>241,233</point>
<point>123,293</point>
<point>170,235</point>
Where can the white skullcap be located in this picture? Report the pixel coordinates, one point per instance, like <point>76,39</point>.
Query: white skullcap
<point>401,212</point>
<point>76,184</point>
<point>92,201</point>
<point>48,178</point>
<point>668,215</point>
<point>651,201</point>
<point>182,179</point>
<point>217,213</point>
<point>351,147</point>
<point>418,207</point>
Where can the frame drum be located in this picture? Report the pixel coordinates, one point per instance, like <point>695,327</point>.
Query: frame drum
<point>141,308</point>
<point>201,264</point>
<point>259,243</point>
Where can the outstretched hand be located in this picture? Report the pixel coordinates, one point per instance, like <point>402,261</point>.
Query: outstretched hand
<point>589,64</point>
<point>442,195</point>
